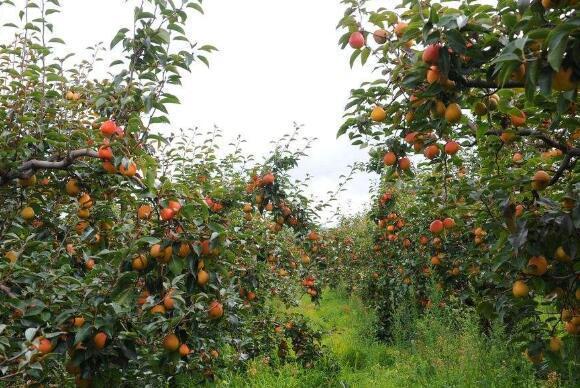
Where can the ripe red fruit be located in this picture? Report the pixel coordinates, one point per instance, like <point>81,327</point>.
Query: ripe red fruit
<point>518,120</point>
<point>174,205</point>
<point>105,153</point>
<point>431,151</point>
<point>108,128</point>
<point>390,158</point>
<point>411,137</point>
<point>431,54</point>
<point>436,227</point>
<point>448,223</point>
<point>404,163</point>
<point>356,40</point>
<point>216,310</point>
<point>452,147</point>
<point>268,179</point>
<point>167,214</point>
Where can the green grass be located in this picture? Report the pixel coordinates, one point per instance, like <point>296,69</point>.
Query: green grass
<point>437,350</point>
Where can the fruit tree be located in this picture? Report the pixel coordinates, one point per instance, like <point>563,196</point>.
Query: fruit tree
<point>472,122</point>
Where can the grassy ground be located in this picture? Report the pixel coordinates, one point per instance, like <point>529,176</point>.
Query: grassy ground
<point>434,351</point>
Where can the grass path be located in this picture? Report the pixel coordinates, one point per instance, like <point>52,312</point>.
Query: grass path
<point>348,338</point>
<point>444,352</point>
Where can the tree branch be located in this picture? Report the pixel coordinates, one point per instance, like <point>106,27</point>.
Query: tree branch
<point>569,152</point>
<point>482,84</point>
<point>28,167</point>
<point>542,136</point>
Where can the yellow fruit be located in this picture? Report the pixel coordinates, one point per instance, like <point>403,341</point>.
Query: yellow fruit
<point>158,309</point>
<point>72,187</point>
<point>202,278</point>
<point>440,108</point>
<point>85,201</point>
<point>11,256</point>
<point>139,263</point>
<point>561,255</point>
<point>555,344</point>
<point>184,249</point>
<point>27,182</point>
<point>83,213</point>
<point>520,289</point>
<point>378,114</point>
<point>537,265</point>
<point>27,213</point>
<point>562,80</point>
<point>453,113</point>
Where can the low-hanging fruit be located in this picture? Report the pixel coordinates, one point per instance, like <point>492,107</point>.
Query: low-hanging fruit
<point>433,75</point>
<point>78,321</point>
<point>518,119</point>
<point>100,340</point>
<point>400,28</point>
<point>139,263</point>
<point>108,128</point>
<point>390,159</point>
<point>157,309</point>
<point>431,151</point>
<point>404,163</point>
<point>561,255</point>
<point>85,201</point>
<point>436,227</point>
<point>144,212</point>
<point>129,170</point>
<point>562,80</point>
<point>541,180</point>
<point>171,342</point>
<point>268,179</point>
<point>184,350</point>
<point>202,278</point>
<point>480,109</point>
<point>431,54</point>
<point>356,40</point>
<point>167,214</point>
<point>27,213</point>
<point>378,114</point>
<point>451,147</point>
<point>520,289</point>
<point>216,310</point>
<point>44,346</point>
<point>380,36</point>
<point>555,344</point>
<point>105,153</point>
<point>453,113</point>
<point>448,223</point>
<point>537,266</point>
<point>72,187</point>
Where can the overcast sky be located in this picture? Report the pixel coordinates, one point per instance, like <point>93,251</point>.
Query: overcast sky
<point>278,63</point>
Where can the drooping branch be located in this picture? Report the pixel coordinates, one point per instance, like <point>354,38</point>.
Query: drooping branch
<point>28,167</point>
<point>569,152</point>
<point>545,138</point>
